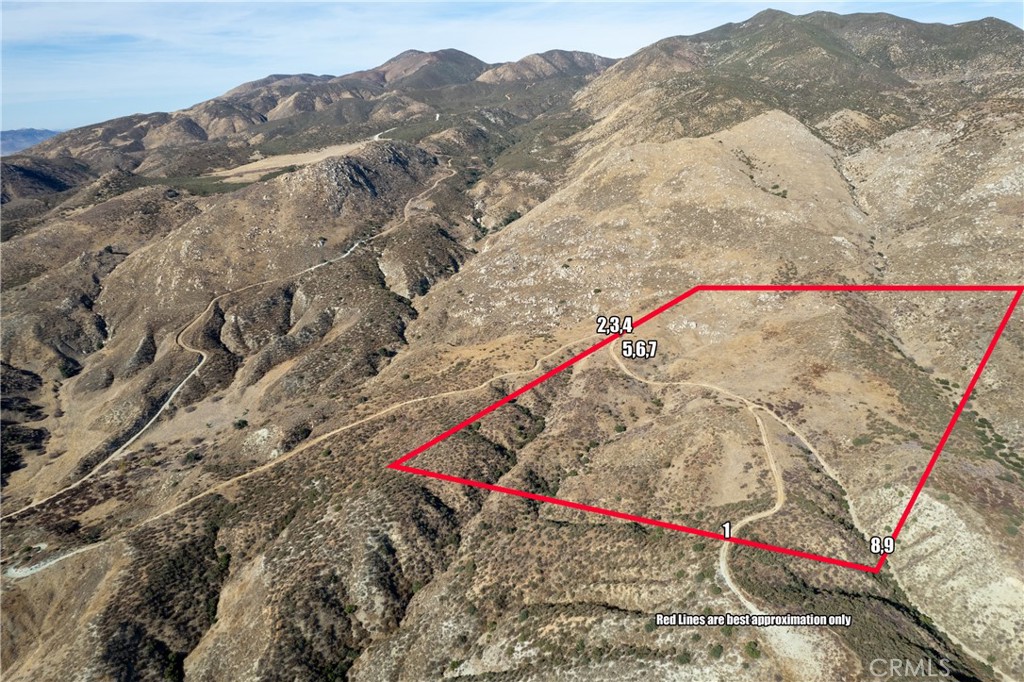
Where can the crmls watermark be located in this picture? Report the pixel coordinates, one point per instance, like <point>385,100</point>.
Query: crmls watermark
<point>902,667</point>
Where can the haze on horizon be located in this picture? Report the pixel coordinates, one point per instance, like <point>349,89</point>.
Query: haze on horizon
<point>72,64</point>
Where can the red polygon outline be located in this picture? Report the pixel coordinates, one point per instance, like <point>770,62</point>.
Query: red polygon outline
<point>399,464</point>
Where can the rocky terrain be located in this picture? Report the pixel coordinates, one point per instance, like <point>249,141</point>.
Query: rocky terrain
<point>221,324</point>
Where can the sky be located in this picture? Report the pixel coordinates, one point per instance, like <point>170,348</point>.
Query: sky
<point>67,64</point>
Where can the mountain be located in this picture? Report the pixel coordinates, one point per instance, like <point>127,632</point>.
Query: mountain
<point>126,142</point>
<point>221,325</point>
<point>546,65</point>
<point>882,67</point>
<point>12,141</point>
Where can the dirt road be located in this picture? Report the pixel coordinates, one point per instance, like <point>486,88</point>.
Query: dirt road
<point>181,342</point>
<point>804,654</point>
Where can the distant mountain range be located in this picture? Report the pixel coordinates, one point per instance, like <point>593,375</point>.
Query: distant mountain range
<point>221,325</point>
<point>12,141</point>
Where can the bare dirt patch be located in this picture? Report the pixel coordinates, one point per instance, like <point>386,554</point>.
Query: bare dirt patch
<point>255,170</point>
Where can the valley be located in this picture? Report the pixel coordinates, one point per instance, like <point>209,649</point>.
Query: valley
<point>222,326</point>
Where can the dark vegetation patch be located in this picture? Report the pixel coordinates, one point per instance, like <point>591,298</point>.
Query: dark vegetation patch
<point>170,599</point>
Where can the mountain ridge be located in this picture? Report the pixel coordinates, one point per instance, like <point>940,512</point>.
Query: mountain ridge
<point>16,140</point>
<point>220,327</point>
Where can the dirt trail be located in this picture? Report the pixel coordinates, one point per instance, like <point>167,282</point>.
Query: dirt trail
<point>806,655</point>
<point>223,485</point>
<point>330,434</point>
<point>407,211</point>
<point>780,491</point>
<point>806,444</point>
<point>26,571</point>
<point>179,340</point>
<point>780,499</point>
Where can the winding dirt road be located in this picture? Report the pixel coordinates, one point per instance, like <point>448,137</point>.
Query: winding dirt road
<point>223,485</point>
<point>805,654</point>
<point>780,491</point>
<point>180,340</point>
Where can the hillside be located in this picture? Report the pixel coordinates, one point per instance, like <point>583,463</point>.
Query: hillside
<point>220,325</point>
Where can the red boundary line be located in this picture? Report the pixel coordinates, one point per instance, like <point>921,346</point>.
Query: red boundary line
<point>400,463</point>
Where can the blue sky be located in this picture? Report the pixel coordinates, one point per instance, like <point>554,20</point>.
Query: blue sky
<point>67,64</point>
